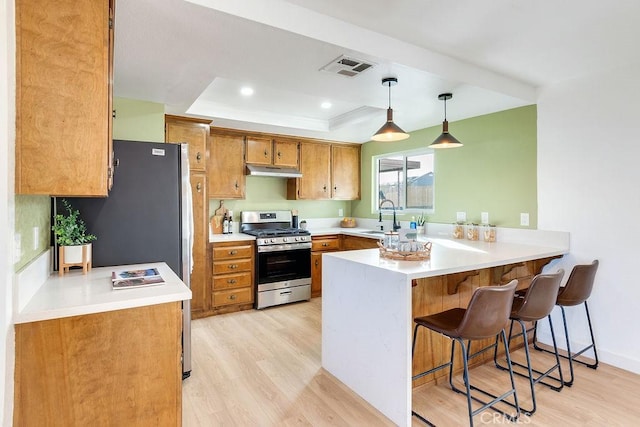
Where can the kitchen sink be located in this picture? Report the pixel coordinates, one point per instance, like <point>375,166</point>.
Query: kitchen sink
<point>373,232</point>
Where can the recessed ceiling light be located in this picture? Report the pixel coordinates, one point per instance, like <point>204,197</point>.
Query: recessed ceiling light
<point>246,91</point>
<point>326,105</point>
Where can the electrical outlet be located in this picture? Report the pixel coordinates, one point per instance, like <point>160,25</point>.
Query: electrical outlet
<point>340,212</point>
<point>36,238</point>
<point>484,217</point>
<point>461,216</point>
<point>524,219</point>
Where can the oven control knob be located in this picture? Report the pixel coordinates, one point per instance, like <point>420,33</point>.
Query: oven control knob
<point>273,240</point>
<point>284,239</point>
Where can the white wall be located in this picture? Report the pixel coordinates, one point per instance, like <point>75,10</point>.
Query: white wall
<point>589,185</point>
<point>7,160</point>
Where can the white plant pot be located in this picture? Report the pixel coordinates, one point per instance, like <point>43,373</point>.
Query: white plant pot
<point>73,254</point>
<point>421,229</point>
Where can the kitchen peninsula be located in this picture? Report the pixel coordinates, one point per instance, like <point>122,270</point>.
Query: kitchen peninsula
<point>369,302</point>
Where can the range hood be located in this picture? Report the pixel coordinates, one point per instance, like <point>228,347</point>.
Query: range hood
<point>255,170</point>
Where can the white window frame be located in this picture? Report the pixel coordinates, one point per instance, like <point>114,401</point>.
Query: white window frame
<point>375,190</point>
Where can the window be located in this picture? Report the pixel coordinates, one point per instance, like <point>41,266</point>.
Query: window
<point>406,179</point>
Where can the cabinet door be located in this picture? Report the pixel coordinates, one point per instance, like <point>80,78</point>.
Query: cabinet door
<point>225,168</point>
<point>194,134</point>
<point>315,165</point>
<point>316,274</point>
<point>259,151</point>
<point>63,96</point>
<point>345,172</point>
<point>285,153</point>
<point>200,272</point>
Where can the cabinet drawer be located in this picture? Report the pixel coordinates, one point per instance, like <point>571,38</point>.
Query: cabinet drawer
<point>232,266</point>
<point>234,296</point>
<point>232,252</point>
<point>331,244</point>
<point>231,281</point>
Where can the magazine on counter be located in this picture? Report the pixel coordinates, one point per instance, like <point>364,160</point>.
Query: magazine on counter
<point>127,279</point>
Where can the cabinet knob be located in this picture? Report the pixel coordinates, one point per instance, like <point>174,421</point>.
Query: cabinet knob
<point>266,153</point>
<point>233,252</point>
<point>198,156</point>
<point>233,266</point>
<point>199,187</point>
<point>279,155</point>
<point>335,188</point>
<point>236,185</point>
<point>231,281</point>
<point>232,297</point>
<point>325,244</point>
<point>317,263</point>
<point>324,188</point>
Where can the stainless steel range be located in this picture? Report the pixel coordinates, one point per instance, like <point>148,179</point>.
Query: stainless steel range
<point>283,257</point>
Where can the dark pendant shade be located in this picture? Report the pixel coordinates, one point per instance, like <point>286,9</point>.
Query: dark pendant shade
<point>390,131</point>
<point>445,140</point>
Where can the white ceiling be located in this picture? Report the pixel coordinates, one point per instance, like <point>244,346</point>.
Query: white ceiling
<point>195,55</point>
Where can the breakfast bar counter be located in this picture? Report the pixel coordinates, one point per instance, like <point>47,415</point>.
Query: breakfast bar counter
<point>369,302</point>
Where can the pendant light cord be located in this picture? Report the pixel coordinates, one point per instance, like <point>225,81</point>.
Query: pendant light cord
<point>389,84</point>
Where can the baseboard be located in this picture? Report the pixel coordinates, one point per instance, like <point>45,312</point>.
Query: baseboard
<point>608,357</point>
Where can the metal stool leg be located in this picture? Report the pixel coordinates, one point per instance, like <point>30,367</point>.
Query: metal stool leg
<point>570,356</point>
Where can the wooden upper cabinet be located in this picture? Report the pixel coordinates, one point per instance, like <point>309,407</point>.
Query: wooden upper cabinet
<point>259,150</point>
<point>277,152</point>
<point>193,132</point>
<point>315,165</point>
<point>345,172</point>
<point>285,153</point>
<point>225,167</point>
<point>64,60</point>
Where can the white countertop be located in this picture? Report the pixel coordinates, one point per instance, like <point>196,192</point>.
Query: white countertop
<point>76,294</point>
<point>454,256</point>
<point>233,237</point>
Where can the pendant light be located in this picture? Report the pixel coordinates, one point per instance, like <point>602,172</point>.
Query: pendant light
<point>390,131</point>
<point>445,140</point>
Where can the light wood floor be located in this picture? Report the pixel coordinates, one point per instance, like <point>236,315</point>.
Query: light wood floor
<point>263,368</point>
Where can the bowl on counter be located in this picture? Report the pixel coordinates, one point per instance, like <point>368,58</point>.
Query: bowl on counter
<point>348,223</point>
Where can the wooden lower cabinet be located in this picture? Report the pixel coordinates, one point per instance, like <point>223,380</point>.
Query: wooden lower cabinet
<point>350,243</point>
<point>319,245</point>
<point>232,282</point>
<point>119,368</point>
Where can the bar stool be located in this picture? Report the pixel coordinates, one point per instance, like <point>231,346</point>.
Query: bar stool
<point>485,317</point>
<point>537,303</point>
<point>576,291</point>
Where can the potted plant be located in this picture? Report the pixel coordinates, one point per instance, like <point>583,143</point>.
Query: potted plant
<point>72,237</point>
<point>420,223</point>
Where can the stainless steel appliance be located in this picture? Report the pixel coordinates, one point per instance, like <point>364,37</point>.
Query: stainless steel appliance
<point>147,216</point>
<point>283,258</point>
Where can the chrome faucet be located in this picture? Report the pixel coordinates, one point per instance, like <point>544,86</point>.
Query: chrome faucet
<point>396,226</point>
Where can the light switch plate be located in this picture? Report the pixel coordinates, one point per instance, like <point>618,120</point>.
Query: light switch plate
<point>461,216</point>
<point>484,217</point>
<point>340,212</point>
<point>524,219</point>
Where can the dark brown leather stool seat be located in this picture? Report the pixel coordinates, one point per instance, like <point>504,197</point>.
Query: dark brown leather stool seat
<point>485,317</point>
<point>576,291</point>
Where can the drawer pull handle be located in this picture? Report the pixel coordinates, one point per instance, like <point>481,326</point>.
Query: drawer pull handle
<point>231,281</point>
<point>232,297</point>
<point>325,244</point>
<point>233,252</point>
<point>266,153</point>
<point>198,157</point>
<point>233,266</point>
<point>285,293</point>
<point>317,263</point>
<point>279,155</point>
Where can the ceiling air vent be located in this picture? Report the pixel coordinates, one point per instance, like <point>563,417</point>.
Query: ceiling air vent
<point>347,66</point>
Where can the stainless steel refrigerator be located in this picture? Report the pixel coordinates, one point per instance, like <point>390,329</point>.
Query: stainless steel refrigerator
<point>147,216</point>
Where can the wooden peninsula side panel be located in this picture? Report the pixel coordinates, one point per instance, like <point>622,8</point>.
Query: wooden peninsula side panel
<point>432,295</point>
<point>119,367</point>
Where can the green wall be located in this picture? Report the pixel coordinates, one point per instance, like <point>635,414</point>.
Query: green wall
<point>271,193</point>
<point>32,211</point>
<point>494,172</point>
<point>138,120</point>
